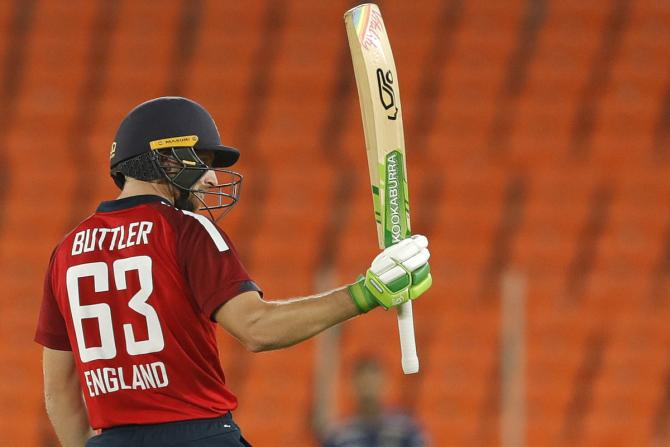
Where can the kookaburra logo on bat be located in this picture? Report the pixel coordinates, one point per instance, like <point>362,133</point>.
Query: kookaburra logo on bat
<point>386,93</point>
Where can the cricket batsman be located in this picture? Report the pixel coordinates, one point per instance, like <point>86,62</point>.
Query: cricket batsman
<point>133,294</point>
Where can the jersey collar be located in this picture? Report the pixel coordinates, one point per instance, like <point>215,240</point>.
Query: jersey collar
<point>128,202</point>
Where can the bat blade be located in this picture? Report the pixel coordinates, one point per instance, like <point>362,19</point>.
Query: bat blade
<point>379,97</point>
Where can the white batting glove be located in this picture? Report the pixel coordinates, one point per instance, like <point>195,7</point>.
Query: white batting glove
<point>399,273</point>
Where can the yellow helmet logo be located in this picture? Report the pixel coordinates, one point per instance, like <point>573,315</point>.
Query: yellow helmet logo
<point>185,141</point>
<point>113,150</point>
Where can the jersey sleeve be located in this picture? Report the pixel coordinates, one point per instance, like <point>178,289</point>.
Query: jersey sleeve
<point>51,329</point>
<point>211,264</point>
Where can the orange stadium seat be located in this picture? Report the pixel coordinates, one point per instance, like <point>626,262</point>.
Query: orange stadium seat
<point>278,80</point>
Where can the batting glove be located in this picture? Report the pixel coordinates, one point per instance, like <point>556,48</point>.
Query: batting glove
<point>398,274</point>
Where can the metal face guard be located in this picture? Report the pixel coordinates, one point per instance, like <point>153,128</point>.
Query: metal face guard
<point>183,168</point>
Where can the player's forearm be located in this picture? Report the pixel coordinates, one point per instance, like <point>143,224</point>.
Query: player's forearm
<point>67,413</point>
<point>287,322</point>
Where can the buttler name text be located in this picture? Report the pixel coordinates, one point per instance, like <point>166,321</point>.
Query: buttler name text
<point>116,238</point>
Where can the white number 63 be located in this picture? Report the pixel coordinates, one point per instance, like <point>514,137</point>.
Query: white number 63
<point>102,312</point>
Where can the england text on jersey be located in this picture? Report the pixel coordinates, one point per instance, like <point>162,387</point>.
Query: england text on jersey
<point>138,377</point>
<point>116,238</point>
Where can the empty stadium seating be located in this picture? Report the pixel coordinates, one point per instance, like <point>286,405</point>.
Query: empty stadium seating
<point>537,138</point>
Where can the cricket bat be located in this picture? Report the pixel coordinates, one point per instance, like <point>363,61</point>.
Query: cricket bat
<point>377,83</point>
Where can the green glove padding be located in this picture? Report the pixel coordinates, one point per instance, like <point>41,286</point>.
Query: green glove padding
<point>369,291</point>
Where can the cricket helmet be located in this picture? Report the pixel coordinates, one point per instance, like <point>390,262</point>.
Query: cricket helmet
<point>160,140</point>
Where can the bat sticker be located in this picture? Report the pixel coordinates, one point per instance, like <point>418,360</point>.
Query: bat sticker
<point>386,93</point>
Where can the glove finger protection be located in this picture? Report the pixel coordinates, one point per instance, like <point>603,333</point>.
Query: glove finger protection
<point>401,251</point>
<point>399,273</point>
<point>401,268</point>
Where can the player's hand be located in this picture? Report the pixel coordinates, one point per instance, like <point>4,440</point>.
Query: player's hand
<point>398,274</point>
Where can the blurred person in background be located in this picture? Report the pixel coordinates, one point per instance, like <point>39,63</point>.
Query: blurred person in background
<point>374,425</point>
<point>134,293</point>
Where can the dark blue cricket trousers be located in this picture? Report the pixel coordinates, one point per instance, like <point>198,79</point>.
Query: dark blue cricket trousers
<point>218,432</point>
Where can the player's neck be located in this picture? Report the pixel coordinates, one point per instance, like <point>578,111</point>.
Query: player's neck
<point>139,188</point>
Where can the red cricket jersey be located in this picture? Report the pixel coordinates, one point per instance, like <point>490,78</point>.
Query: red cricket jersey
<point>131,291</point>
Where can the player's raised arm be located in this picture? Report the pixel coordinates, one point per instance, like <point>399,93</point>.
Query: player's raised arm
<point>398,274</point>
<point>262,325</point>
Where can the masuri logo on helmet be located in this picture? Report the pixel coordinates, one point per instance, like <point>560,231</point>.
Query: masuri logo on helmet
<point>185,141</point>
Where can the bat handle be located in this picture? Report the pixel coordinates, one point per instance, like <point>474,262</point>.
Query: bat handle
<point>410,361</point>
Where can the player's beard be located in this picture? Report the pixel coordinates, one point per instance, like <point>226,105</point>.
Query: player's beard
<point>186,201</point>
<point>189,201</point>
